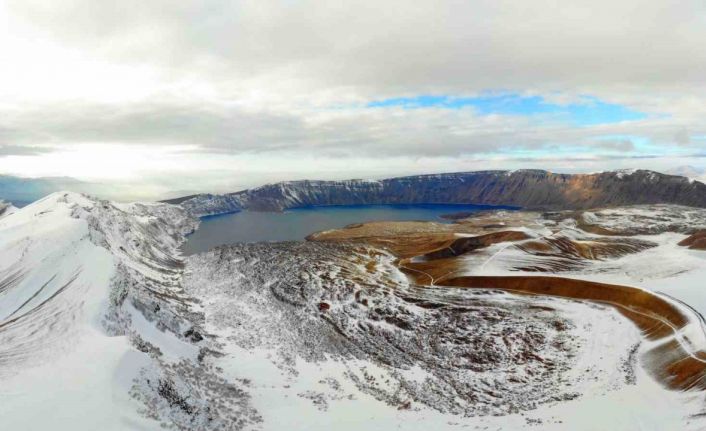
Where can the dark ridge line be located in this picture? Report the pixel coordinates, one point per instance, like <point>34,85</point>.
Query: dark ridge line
<point>33,296</point>
<point>36,309</point>
<point>12,280</point>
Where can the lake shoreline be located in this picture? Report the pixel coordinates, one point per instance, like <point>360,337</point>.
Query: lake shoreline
<point>295,224</point>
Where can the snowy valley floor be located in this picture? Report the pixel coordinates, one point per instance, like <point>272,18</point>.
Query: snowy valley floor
<point>103,325</point>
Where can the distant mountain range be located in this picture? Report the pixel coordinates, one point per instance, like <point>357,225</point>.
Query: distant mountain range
<point>22,191</point>
<point>529,189</point>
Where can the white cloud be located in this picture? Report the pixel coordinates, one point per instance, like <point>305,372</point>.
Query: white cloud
<point>260,89</point>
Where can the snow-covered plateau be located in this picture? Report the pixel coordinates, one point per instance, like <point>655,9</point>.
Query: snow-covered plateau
<point>104,325</point>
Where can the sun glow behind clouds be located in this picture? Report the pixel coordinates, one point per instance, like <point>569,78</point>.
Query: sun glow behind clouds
<point>101,162</point>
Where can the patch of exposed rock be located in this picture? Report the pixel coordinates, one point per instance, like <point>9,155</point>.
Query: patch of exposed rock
<point>697,241</point>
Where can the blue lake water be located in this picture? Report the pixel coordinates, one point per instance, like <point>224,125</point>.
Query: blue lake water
<point>295,224</point>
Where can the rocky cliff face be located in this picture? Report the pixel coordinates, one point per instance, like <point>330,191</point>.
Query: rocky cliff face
<point>531,189</point>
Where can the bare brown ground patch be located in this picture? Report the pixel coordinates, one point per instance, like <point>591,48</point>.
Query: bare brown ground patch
<point>582,224</point>
<point>537,246</point>
<point>460,246</point>
<point>401,238</point>
<point>591,249</point>
<point>697,241</point>
<point>407,239</point>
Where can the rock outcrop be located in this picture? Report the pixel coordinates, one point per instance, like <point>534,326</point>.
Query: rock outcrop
<point>6,208</point>
<point>697,241</point>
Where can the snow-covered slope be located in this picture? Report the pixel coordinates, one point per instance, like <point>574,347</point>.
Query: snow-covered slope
<point>331,335</point>
<point>95,329</point>
<point>103,325</point>
<point>557,254</point>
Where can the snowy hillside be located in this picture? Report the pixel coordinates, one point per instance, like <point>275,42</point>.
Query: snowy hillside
<point>95,330</point>
<point>103,325</point>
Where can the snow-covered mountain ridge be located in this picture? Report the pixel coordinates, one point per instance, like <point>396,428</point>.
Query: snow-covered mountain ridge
<point>91,300</point>
<point>529,189</point>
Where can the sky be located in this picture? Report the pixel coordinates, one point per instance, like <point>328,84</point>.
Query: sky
<point>153,99</point>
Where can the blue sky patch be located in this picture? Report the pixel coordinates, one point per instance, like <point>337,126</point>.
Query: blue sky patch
<point>590,111</point>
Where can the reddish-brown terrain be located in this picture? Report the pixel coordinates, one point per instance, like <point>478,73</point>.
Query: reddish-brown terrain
<point>697,241</point>
<point>433,254</point>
